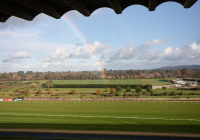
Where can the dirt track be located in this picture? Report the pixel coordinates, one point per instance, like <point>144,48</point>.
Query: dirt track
<point>101,132</point>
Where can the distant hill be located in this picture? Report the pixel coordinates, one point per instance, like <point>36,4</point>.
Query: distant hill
<point>180,67</point>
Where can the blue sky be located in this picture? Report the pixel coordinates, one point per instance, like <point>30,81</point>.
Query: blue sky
<point>135,39</point>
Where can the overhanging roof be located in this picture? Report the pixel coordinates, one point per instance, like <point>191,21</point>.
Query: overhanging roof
<point>29,9</point>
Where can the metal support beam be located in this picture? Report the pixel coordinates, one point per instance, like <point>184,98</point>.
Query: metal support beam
<point>116,6</point>
<point>152,5</point>
<point>189,3</point>
<point>41,6</point>
<point>78,5</point>
<point>14,10</point>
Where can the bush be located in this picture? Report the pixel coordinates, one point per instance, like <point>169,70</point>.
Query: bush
<point>73,92</point>
<point>39,91</point>
<point>112,91</point>
<point>139,93</point>
<point>152,94</point>
<point>12,94</point>
<point>33,85</point>
<point>125,94</point>
<point>128,89</point>
<point>47,89</point>
<point>174,94</point>
<point>118,94</point>
<point>182,93</point>
<point>148,89</point>
<point>25,90</point>
<point>4,93</point>
<point>163,87</point>
<point>99,92</point>
<point>50,91</point>
<point>57,89</point>
<point>107,90</point>
<point>166,93</point>
<point>118,88</point>
<point>138,89</point>
<point>35,89</point>
<point>102,94</point>
<point>17,90</point>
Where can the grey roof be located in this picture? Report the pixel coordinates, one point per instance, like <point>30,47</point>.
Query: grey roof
<point>29,9</point>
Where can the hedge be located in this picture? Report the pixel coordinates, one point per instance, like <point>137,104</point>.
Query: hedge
<point>98,86</point>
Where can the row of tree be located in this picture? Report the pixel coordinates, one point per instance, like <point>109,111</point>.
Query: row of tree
<point>29,75</point>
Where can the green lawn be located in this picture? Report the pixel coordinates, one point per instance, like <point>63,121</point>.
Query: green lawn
<point>117,116</point>
<point>112,81</point>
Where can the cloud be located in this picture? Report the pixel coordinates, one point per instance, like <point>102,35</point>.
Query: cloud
<point>59,54</point>
<point>20,34</point>
<point>107,53</point>
<point>194,46</point>
<point>171,56</point>
<point>127,52</point>
<point>156,42</point>
<point>30,46</point>
<point>79,44</point>
<point>85,52</point>
<point>16,57</point>
<point>81,53</point>
<point>97,47</point>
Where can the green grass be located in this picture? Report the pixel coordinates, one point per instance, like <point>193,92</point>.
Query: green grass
<point>112,81</point>
<point>121,116</point>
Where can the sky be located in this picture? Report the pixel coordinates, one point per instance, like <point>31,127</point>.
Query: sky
<point>135,39</point>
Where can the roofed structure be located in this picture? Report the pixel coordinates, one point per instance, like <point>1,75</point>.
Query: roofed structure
<point>29,9</point>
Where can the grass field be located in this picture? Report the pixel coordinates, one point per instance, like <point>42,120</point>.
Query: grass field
<point>117,116</point>
<point>112,81</point>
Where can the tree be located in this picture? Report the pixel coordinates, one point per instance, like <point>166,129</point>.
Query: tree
<point>50,91</point>
<point>163,74</point>
<point>128,89</point>
<point>39,91</point>
<point>73,92</point>
<point>112,91</point>
<point>148,89</point>
<point>177,73</point>
<point>138,89</point>
<point>118,88</point>
<point>49,84</point>
<point>99,92</point>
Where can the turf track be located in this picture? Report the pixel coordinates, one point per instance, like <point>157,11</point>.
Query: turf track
<point>176,117</point>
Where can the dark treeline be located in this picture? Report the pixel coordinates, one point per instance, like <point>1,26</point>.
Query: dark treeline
<point>108,74</point>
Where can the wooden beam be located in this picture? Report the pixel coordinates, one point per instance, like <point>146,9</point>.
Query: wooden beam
<point>41,6</point>
<point>2,19</point>
<point>14,10</point>
<point>152,5</point>
<point>78,5</point>
<point>189,3</point>
<point>116,6</point>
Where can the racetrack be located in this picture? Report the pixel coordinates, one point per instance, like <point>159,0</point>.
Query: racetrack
<point>103,132</point>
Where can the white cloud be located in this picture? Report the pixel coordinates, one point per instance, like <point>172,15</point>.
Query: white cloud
<point>97,47</point>
<point>194,46</point>
<point>19,34</point>
<point>127,52</point>
<point>16,57</point>
<point>156,42</point>
<point>59,54</point>
<point>107,53</point>
<point>85,52</point>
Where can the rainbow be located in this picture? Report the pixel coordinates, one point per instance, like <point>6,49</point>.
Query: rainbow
<point>81,36</point>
